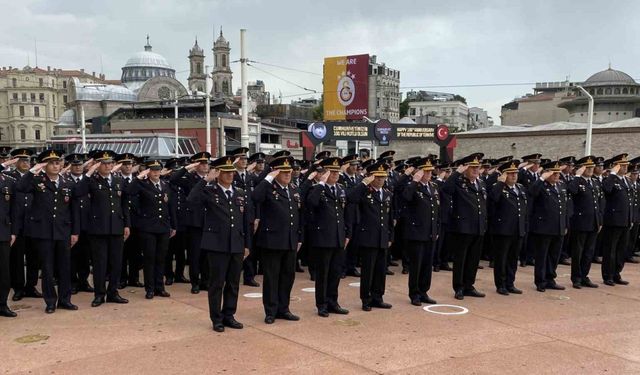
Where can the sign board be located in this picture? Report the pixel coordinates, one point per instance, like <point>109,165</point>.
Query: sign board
<point>346,87</point>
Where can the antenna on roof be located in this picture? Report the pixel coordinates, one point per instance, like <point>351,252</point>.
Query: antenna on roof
<point>101,66</point>
<point>35,44</point>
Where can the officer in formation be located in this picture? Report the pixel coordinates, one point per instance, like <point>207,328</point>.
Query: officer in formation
<point>253,213</point>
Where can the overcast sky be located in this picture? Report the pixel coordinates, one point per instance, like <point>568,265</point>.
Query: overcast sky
<point>432,43</point>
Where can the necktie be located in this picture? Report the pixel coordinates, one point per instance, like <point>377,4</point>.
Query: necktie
<point>242,176</point>
<point>228,194</point>
<point>381,195</point>
<point>353,180</point>
<point>158,186</point>
<point>333,190</point>
<point>286,191</point>
<point>55,183</point>
<point>126,179</point>
<point>77,180</point>
<point>514,191</point>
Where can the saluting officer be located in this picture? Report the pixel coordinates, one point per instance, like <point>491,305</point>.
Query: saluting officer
<point>7,236</point>
<point>586,221</point>
<point>422,226</point>
<point>468,223</point>
<point>327,235</point>
<point>507,225</point>
<point>279,236</point>
<point>225,239</point>
<point>53,225</point>
<point>241,178</point>
<point>108,226</point>
<point>618,218</point>
<point>350,178</point>
<point>154,203</point>
<point>250,263</point>
<point>529,172</point>
<point>548,224</point>
<point>131,255</point>
<point>373,233</point>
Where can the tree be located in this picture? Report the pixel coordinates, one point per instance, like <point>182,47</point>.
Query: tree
<point>460,98</point>
<point>318,111</point>
<point>404,108</point>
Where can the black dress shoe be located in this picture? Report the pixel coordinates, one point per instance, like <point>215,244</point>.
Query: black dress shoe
<point>74,290</point>
<point>474,293</point>
<point>299,269</point>
<point>416,302</point>
<point>50,309</point>
<point>621,282</point>
<point>162,293</point>
<point>502,291</point>
<point>195,289</point>
<point>135,284</point>
<point>589,284</point>
<point>7,313</point>
<point>117,299</point>
<point>148,295</point>
<point>393,263</point>
<point>480,267</point>
<point>18,296</point>
<point>366,307</point>
<point>390,273</point>
<point>513,290</point>
<point>597,260</point>
<point>181,280</point>
<point>540,289</point>
<point>232,323</point>
<point>609,282</point>
<point>354,272</point>
<point>323,313</point>
<point>122,285</point>
<point>577,285</point>
<point>337,309</point>
<point>565,262</point>
<point>381,305</point>
<point>343,275</point>
<point>168,281</point>
<point>269,319</point>
<point>523,263</point>
<point>427,299</point>
<point>556,287</point>
<point>251,282</point>
<point>531,262</point>
<point>32,293</point>
<point>86,288</point>
<point>632,260</point>
<point>218,327</point>
<point>459,295</point>
<point>67,306</point>
<point>446,267</point>
<point>405,270</point>
<point>97,301</point>
<point>288,316</point>
<point>436,268</point>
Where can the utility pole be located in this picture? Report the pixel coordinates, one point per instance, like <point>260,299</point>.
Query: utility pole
<point>587,144</point>
<point>244,136</point>
<point>175,123</point>
<point>207,110</point>
<point>83,130</point>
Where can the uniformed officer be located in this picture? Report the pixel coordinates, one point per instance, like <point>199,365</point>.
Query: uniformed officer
<point>81,254</point>
<point>53,225</point>
<point>178,243</point>
<point>241,178</point>
<point>528,173</point>
<point>442,252</point>
<point>187,178</point>
<point>5,154</point>
<point>422,226</point>
<point>328,235</point>
<point>7,236</point>
<point>373,233</point>
<point>154,203</point>
<point>108,226</point>
<point>349,178</point>
<point>548,224</point>
<point>250,263</point>
<point>23,246</point>
<point>225,239</point>
<point>468,223</point>
<point>585,222</point>
<point>279,236</point>
<point>632,178</point>
<point>617,220</point>
<point>507,225</point>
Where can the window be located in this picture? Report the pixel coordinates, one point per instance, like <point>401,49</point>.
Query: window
<point>33,97</point>
<point>40,82</point>
<point>36,111</point>
<point>64,84</point>
<point>224,61</point>
<point>599,91</point>
<point>41,97</point>
<point>24,96</point>
<point>23,134</point>
<point>625,91</point>
<point>270,138</point>
<point>15,96</point>
<point>21,110</point>
<point>607,91</point>
<point>198,68</point>
<point>14,82</point>
<point>616,91</point>
<point>64,99</point>
<point>37,134</point>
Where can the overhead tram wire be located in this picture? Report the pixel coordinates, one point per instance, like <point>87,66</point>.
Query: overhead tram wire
<point>284,79</point>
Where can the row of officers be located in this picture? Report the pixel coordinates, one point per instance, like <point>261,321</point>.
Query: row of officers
<point>114,215</point>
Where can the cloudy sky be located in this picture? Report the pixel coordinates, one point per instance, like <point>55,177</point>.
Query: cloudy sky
<point>432,43</point>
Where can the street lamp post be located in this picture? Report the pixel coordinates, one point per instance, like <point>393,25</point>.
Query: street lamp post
<point>207,110</point>
<point>175,122</point>
<point>587,145</point>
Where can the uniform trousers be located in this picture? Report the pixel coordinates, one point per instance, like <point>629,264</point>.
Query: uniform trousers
<point>22,247</point>
<point>373,274</point>
<point>197,258</point>
<point>224,283</point>
<point>5,273</point>
<point>329,262</point>
<point>420,255</point>
<point>547,255</point>
<point>466,257</point>
<point>583,245</point>
<point>81,261</point>
<point>154,250</point>
<point>505,259</point>
<point>279,273</point>
<point>106,252</point>
<point>55,257</point>
<point>614,248</point>
<point>177,250</point>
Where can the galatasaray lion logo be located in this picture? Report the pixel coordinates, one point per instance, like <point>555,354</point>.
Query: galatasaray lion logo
<point>346,88</point>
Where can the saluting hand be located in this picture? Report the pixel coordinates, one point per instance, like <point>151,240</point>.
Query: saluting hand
<point>546,175</point>
<point>367,180</point>
<point>461,169</point>
<point>409,170</point>
<point>274,173</point>
<point>251,167</point>
<point>74,239</point>
<point>580,171</point>
<point>92,169</point>
<point>615,169</point>
<point>142,175</point>
<point>324,177</point>
<point>418,176</point>
<point>442,174</point>
<point>38,167</point>
<point>502,178</point>
<point>116,168</point>
<point>212,175</point>
<point>524,164</point>
<point>344,167</point>
<point>10,162</point>
<point>165,171</point>
<point>192,166</point>
<point>312,175</point>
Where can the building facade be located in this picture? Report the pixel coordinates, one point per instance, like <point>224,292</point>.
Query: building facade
<point>222,75</point>
<point>197,76</point>
<point>479,118</point>
<point>384,91</point>
<point>453,112</point>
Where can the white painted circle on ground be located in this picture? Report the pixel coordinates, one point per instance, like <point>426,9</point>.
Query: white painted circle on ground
<point>355,285</point>
<point>463,310</point>
<point>253,295</point>
<point>309,290</point>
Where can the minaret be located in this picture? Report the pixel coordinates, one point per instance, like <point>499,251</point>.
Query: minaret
<point>222,75</point>
<point>197,75</point>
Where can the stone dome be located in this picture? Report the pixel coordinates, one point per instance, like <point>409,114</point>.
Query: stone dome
<point>609,77</point>
<point>147,59</point>
<point>144,65</point>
